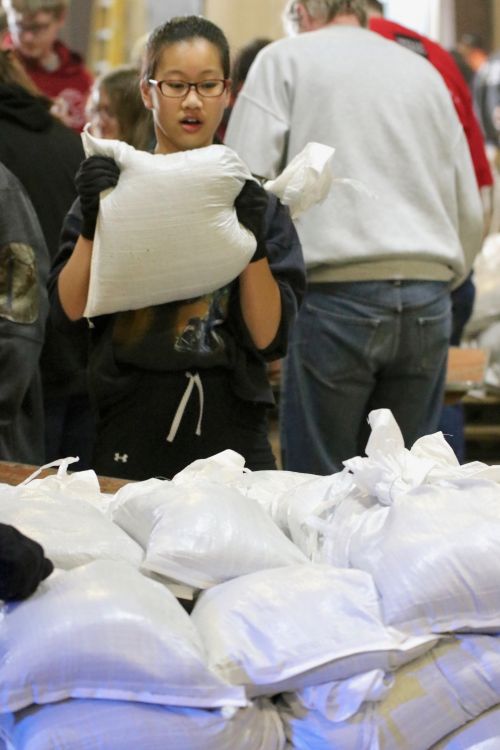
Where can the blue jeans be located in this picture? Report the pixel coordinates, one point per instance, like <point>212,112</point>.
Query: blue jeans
<point>452,420</point>
<point>357,347</point>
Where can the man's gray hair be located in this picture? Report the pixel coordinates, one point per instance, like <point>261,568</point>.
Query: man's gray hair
<point>33,6</point>
<point>323,11</point>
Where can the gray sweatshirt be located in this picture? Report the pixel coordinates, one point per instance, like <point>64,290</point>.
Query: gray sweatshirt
<point>390,118</point>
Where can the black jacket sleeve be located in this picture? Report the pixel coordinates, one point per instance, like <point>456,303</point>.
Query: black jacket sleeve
<point>70,232</point>
<point>24,265</point>
<point>22,564</point>
<point>284,253</point>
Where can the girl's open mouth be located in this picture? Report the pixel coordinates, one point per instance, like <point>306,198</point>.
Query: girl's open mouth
<point>191,124</point>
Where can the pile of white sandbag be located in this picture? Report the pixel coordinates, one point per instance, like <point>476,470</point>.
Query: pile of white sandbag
<point>360,610</point>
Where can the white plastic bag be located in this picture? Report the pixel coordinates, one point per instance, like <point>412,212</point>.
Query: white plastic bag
<point>64,514</point>
<point>306,180</point>
<point>226,467</point>
<point>434,557</point>
<point>112,725</point>
<point>168,230</point>
<point>104,631</point>
<point>203,533</point>
<point>270,488</point>
<point>291,627</point>
<point>390,470</point>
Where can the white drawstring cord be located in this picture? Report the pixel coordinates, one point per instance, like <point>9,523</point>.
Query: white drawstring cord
<point>194,380</point>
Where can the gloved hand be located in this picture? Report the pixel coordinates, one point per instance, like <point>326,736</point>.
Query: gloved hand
<point>250,205</point>
<point>95,174</point>
<point>22,564</point>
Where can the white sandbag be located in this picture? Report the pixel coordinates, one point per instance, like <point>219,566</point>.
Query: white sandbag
<point>434,557</point>
<point>104,631</point>
<point>270,488</point>
<point>168,230</point>
<point>390,469</point>
<point>71,530</point>
<point>82,485</point>
<point>482,733</point>
<point>306,180</point>
<point>291,627</point>
<point>204,533</point>
<point>422,703</point>
<point>309,510</point>
<point>226,467</point>
<point>112,725</point>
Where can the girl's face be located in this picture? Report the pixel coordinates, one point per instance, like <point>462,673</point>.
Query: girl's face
<point>104,123</point>
<point>191,121</point>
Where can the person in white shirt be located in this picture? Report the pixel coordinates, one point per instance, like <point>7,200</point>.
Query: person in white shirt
<point>374,327</point>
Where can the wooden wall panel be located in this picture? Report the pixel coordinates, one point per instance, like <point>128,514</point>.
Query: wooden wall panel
<point>244,20</point>
<point>476,17</point>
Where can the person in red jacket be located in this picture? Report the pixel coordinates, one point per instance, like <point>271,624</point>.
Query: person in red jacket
<point>58,72</point>
<point>444,63</point>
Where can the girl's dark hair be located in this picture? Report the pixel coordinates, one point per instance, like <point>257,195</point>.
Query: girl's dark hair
<point>180,29</point>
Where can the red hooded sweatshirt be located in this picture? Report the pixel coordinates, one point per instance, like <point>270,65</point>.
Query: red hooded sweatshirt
<point>447,67</point>
<point>68,85</point>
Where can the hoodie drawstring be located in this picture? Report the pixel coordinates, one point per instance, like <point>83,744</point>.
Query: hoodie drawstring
<point>194,380</point>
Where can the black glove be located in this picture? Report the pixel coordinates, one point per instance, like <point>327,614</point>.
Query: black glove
<point>97,173</point>
<point>250,205</point>
<point>22,564</point>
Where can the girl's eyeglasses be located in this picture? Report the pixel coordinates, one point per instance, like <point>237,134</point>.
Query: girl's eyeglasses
<point>180,89</point>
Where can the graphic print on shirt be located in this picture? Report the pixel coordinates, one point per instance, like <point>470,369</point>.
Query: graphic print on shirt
<point>174,335</point>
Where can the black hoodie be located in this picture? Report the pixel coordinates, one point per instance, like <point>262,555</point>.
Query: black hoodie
<point>44,155</point>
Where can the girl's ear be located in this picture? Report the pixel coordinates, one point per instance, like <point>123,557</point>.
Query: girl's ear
<point>228,92</point>
<point>146,94</point>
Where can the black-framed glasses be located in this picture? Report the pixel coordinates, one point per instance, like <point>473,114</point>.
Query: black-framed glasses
<point>179,89</point>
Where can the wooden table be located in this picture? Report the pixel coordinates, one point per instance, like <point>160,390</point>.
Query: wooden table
<point>12,473</point>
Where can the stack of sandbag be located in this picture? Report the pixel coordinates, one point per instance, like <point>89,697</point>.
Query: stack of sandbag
<point>101,656</point>
<point>366,605</point>
<point>412,709</point>
<point>200,532</point>
<point>113,661</point>
<point>292,627</point>
<point>427,530</point>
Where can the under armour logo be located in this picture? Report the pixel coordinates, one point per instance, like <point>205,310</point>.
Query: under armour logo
<point>123,458</point>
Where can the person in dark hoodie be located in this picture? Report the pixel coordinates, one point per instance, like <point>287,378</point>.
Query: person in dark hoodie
<point>44,155</point>
<point>24,266</point>
<point>34,27</point>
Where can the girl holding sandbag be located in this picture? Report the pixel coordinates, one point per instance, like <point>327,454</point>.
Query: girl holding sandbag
<point>183,380</point>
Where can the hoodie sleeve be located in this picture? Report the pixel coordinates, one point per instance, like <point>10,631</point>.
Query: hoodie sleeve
<point>24,263</point>
<point>284,253</point>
